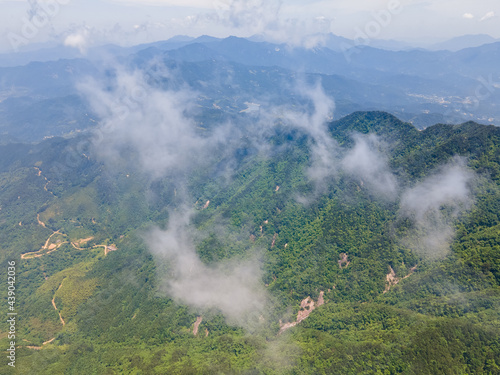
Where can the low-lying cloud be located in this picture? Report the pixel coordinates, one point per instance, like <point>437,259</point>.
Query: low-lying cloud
<point>367,162</point>
<point>154,128</point>
<point>143,123</point>
<point>233,287</point>
<point>433,205</point>
<point>265,18</point>
<point>314,123</point>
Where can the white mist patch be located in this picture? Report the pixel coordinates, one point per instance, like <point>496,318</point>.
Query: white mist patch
<point>78,40</point>
<point>234,288</point>
<point>139,122</point>
<point>154,129</point>
<point>367,162</point>
<point>254,16</point>
<point>265,19</point>
<point>433,205</point>
<point>324,147</point>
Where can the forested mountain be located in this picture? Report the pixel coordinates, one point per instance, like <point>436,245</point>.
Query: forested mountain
<point>260,245</point>
<point>423,87</point>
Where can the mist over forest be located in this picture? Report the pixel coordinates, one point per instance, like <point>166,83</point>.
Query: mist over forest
<point>275,203</point>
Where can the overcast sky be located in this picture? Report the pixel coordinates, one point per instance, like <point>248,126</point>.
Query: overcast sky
<point>83,23</point>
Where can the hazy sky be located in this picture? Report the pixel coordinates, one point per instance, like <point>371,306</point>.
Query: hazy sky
<point>83,23</point>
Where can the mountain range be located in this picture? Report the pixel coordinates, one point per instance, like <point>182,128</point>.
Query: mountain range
<point>420,86</point>
<point>234,206</point>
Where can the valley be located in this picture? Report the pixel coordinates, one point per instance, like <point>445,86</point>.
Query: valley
<point>242,205</point>
<point>337,269</point>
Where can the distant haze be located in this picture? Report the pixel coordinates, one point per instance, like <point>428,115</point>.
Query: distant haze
<point>82,24</point>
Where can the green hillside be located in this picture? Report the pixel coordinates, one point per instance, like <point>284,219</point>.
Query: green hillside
<point>355,250</point>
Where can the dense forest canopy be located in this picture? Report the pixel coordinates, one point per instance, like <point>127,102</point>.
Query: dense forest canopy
<point>360,245</point>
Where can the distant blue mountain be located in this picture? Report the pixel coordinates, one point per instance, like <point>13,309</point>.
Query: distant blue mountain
<point>417,85</point>
<point>465,41</point>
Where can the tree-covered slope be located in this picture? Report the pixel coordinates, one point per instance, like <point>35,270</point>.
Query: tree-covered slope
<point>361,240</point>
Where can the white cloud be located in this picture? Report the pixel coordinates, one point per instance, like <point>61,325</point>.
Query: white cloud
<point>202,4</point>
<point>152,128</point>
<point>367,162</point>
<point>468,16</point>
<point>78,40</point>
<point>233,287</point>
<point>253,16</point>
<point>323,146</point>
<point>145,121</point>
<point>444,188</point>
<point>487,16</point>
<point>433,205</point>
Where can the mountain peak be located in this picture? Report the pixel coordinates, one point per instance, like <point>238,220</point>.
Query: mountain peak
<point>464,41</point>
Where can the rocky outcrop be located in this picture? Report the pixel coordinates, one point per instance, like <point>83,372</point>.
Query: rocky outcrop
<point>307,306</point>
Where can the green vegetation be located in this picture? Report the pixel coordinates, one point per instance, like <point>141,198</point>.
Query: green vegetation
<point>442,317</point>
